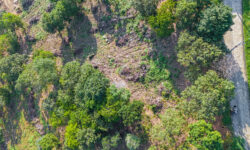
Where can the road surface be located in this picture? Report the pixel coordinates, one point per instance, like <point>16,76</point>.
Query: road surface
<point>236,72</point>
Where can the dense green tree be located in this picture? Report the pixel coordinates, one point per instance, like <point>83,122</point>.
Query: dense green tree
<point>8,44</point>
<point>71,136</point>
<point>56,19</point>
<point>193,51</point>
<point>37,75</point>
<point>11,67</point>
<point>162,23</point>
<point>132,142</point>
<point>70,75</point>
<point>116,99</point>
<point>186,14</point>
<point>208,96</point>
<point>91,88</point>
<point>202,136</point>
<point>146,7</point>
<point>196,54</point>
<point>131,113</point>
<point>215,21</point>
<point>87,138</point>
<point>9,22</point>
<point>48,142</point>
<point>111,142</point>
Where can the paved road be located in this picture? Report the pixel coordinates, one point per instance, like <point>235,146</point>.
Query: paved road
<point>236,72</point>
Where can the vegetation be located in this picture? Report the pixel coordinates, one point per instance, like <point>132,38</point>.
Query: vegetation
<point>202,136</point>
<point>162,23</point>
<point>73,99</point>
<point>246,26</point>
<point>48,142</point>
<point>208,96</point>
<point>215,21</point>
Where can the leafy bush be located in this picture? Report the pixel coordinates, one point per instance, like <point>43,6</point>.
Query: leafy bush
<point>87,138</point>
<point>208,96</point>
<point>63,11</point>
<point>37,54</point>
<point>9,22</point>
<point>8,44</point>
<point>156,74</point>
<point>186,14</point>
<point>146,7</point>
<point>196,54</point>
<point>202,136</point>
<point>71,136</point>
<point>131,113</point>
<point>111,142</point>
<point>215,21</point>
<point>132,142</point>
<point>91,88</point>
<point>48,142</point>
<point>162,23</point>
<point>37,75</point>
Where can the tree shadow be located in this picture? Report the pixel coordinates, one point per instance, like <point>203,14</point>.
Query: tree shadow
<point>11,118</point>
<point>80,43</point>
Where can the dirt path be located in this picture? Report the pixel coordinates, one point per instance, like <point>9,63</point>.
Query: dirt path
<point>9,6</point>
<point>235,69</point>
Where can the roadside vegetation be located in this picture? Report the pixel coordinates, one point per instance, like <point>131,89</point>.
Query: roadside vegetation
<point>246,27</point>
<point>114,84</point>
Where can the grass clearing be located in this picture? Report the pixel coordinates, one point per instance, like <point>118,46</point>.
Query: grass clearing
<point>246,26</point>
<point>29,136</point>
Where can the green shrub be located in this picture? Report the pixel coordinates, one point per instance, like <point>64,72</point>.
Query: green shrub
<point>37,54</point>
<point>162,23</point>
<point>132,142</point>
<point>71,136</point>
<point>202,136</point>
<point>131,113</point>
<point>146,7</point>
<point>208,96</point>
<point>111,142</point>
<point>48,142</point>
<point>215,21</point>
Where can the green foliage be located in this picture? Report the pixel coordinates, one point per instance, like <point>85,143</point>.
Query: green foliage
<point>146,7</point>
<point>132,142</point>
<point>162,23</point>
<point>208,96</point>
<point>11,67</point>
<point>165,133</point>
<point>111,142</point>
<point>202,136</point>
<point>237,143</point>
<point>215,21</point>
<point>195,54</point>
<point>48,142</point>
<point>186,14</point>
<point>56,19</point>
<point>116,99</point>
<point>131,113</point>
<point>91,88</point>
<point>71,136</point>
<point>156,74</point>
<point>37,54</point>
<point>121,7</point>
<point>37,75</point>
<point>8,44</point>
<point>193,51</point>
<point>246,28</point>
<point>87,138</point>
<point>9,22</point>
